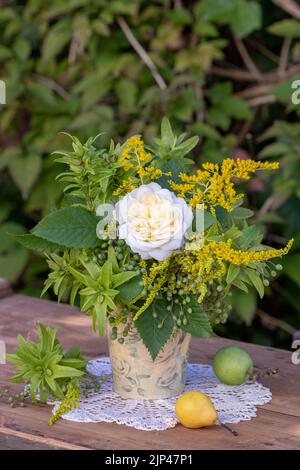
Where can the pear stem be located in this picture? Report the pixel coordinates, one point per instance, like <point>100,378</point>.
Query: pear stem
<point>260,374</point>
<point>235,433</point>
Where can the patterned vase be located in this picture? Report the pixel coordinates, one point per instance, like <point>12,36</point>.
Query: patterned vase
<point>137,376</point>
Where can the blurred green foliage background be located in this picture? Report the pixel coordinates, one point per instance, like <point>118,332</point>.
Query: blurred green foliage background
<point>221,69</point>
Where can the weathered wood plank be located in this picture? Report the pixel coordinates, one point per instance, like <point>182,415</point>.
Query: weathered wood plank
<point>268,431</point>
<point>10,439</point>
<point>276,427</point>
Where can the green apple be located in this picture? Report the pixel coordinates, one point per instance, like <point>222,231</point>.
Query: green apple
<point>232,365</point>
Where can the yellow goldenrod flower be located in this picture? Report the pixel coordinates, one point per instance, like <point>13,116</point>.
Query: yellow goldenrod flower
<point>125,187</point>
<point>225,252</point>
<point>213,184</point>
<point>149,172</point>
<point>133,153</point>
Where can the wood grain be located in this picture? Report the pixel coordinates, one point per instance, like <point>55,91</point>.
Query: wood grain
<point>277,425</point>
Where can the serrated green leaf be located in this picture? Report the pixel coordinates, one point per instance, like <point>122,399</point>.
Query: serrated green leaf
<point>37,244</point>
<point>155,338</point>
<point>198,322</point>
<point>74,227</point>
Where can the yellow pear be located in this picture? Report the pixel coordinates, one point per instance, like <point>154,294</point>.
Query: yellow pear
<point>195,410</point>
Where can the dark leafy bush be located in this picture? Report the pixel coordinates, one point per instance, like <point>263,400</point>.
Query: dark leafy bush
<point>222,69</point>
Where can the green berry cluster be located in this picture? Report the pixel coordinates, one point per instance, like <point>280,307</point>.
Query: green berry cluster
<point>14,399</point>
<point>119,333</point>
<point>132,264</point>
<point>270,270</point>
<point>216,304</point>
<point>90,384</point>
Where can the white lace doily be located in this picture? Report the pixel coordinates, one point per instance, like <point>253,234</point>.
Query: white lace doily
<point>233,403</point>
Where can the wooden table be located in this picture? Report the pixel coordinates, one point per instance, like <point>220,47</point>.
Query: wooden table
<point>277,425</point>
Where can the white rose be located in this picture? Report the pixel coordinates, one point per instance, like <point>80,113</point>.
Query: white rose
<point>153,221</point>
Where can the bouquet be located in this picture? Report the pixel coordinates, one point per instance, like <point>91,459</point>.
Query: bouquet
<point>145,241</point>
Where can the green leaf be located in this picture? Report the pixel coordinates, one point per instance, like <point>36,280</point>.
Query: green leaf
<point>256,281</point>
<point>283,28</point>
<point>22,48</point>
<point>244,305</point>
<point>236,107</point>
<point>242,213</point>
<point>198,322</point>
<point>56,39</point>
<point>232,273</point>
<point>122,278</point>
<point>291,265</point>
<point>129,290</point>
<point>175,167</point>
<point>112,258</point>
<point>186,147</point>
<point>55,388</point>
<point>223,217</point>
<point>240,285</point>
<point>12,264</point>
<point>219,91</point>
<point>204,130</point>
<point>65,371</point>
<point>209,219</point>
<point>99,317</point>
<point>246,18</point>
<point>249,235</point>
<point>155,338</point>
<point>8,231</point>
<point>37,244</point>
<point>215,10</point>
<point>73,227</point>
<point>167,135</point>
<point>275,149</point>
<point>106,275</point>
<point>217,117</point>
<point>243,16</point>
<point>8,155</point>
<point>24,171</point>
<point>47,337</point>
